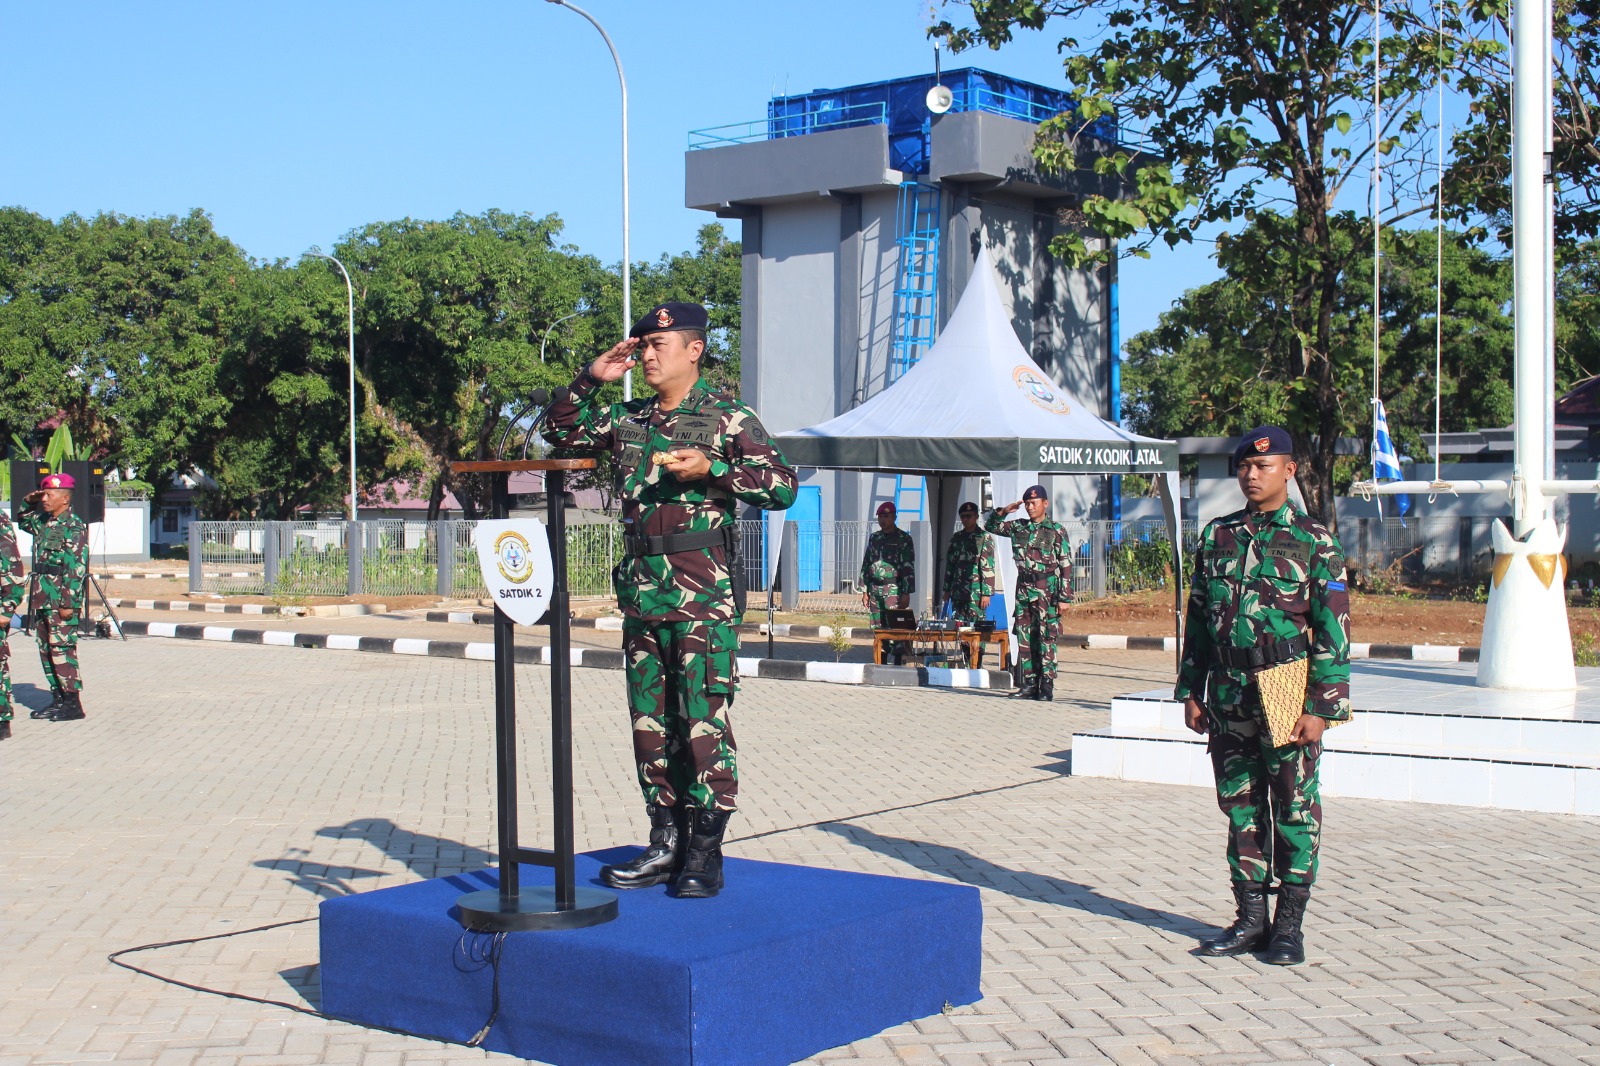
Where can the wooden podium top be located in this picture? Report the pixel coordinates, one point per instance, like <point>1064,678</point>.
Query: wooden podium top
<point>511,466</point>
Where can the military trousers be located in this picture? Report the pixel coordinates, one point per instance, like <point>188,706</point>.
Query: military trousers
<point>1037,625</point>
<point>5,675</point>
<point>880,600</point>
<point>1270,796</point>
<point>681,679</point>
<point>57,635</point>
<point>966,610</point>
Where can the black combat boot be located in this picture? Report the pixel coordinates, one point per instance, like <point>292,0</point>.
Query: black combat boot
<point>1249,929</point>
<point>48,709</point>
<point>71,708</point>
<point>1288,947</point>
<point>1047,691</point>
<point>657,863</point>
<point>5,729</point>
<point>701,877</point>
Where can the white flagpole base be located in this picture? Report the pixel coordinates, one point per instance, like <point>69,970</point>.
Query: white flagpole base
<point>1527,645</point>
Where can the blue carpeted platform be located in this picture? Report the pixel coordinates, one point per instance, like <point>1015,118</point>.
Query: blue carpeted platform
<point>786,962</point>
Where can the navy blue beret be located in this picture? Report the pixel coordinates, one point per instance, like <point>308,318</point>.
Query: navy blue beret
<point>1036,492</point>
<point>1263,440</point>
<point>670,316</point>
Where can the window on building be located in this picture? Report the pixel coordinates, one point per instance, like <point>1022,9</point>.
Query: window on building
<point>169,519</point>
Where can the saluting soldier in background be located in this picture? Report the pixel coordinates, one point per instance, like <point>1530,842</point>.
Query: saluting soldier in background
<point>888,574</point>
<point>60,572</point>
<point>969,568</point>
<point>1043,556</point>
<point>12,586</point>
<point>683,457</point>
<point>1268,589</point>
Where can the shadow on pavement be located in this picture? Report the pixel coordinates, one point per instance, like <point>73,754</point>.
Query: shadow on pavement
<point>974,870</point>
<point>424,855</point>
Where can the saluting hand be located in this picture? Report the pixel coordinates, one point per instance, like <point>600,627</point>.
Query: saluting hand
<point>616,362</point>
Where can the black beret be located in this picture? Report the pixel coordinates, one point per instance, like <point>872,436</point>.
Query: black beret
<point>967,508</point>
<point>669,317</point>
<point>1036,492</point>
<point>1263,440</point>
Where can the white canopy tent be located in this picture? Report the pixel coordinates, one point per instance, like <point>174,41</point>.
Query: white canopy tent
<point>977,404</point>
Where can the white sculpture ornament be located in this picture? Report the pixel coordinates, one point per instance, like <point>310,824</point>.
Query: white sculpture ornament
<point>1526,641</point>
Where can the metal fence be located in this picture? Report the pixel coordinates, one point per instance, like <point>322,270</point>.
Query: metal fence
<point>399,557</point>
<point>395,557</point>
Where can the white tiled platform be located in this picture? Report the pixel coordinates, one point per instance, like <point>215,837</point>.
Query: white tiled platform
<point>1421,732</point>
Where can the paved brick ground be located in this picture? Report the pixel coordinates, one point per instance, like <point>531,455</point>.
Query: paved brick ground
<point>218,788</point>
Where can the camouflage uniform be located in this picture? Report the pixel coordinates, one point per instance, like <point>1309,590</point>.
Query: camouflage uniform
<point>888,571</point>
<point>60,570</point>
<point>678,633</point>
<point>1044,578</point>
<point>1259,580</point>
<point>13,586</point>
<point>969,574</point>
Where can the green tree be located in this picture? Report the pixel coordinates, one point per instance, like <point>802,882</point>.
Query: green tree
<point>1249,107</point>
<point>1215,365</point>
<point>1479,177</point>
<point>449,317</point>
<point>711,275</point>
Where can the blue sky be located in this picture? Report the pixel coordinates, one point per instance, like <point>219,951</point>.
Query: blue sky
<point>293,122</point>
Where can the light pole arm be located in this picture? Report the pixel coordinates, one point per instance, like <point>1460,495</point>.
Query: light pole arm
<point>627,268</point>
<point>552,326</point>
<point>350,299</point>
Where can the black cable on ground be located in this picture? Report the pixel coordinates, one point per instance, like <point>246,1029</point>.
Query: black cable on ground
<point>491,953</point>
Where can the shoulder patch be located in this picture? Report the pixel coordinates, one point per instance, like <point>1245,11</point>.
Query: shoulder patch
<point>755,430</point>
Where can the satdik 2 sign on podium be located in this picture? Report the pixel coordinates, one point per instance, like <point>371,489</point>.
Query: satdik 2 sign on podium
<point>524,565</point>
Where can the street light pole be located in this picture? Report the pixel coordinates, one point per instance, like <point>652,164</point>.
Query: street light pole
<point>350,294</point>
<point>553,325</point>
<point>627,270</point>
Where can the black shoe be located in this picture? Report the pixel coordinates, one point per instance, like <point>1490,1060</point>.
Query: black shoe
<point>5,729</point>
<point>1249,929</point>
<point>48,709</point>
<point>71,708</point>
<point>1026,692</point>
<point>657,863</point>
<point>1047,691</point>
<point>1288,946</point>
<point>701,877</point>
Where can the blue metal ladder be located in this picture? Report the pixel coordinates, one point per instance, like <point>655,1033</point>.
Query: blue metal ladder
<point>916,304</point>
<point>916,287</point>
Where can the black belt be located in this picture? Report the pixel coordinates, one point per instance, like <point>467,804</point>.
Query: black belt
<point>1263,655</point>
<point>634,544</point>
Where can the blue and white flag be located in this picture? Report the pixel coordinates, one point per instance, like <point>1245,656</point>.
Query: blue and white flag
<point>1385,463</point>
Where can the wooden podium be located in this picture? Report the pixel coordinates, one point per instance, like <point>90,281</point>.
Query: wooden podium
<point>563,905</point>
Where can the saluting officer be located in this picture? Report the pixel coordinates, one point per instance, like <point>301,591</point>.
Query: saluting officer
<point>60,572</point>
<point>1043,556</point>
<point>683,457</point>
<point>1268,590</point>
<point>969,568</point>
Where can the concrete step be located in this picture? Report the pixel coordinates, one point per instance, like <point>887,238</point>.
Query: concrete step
<point>1425,731</point>
<point>1510,779</point>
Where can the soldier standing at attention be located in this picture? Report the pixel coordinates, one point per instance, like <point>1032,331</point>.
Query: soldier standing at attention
<point>60,572</point>
<point>683,457</point>
<point>969,568</point>
<point>888,574</point>
<point>1268,590</point>
<point>12,586</point>
<point>1043,556</point>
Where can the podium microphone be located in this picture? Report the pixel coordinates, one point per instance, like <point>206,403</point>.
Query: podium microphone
<point>542,398</point>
